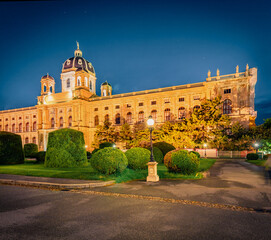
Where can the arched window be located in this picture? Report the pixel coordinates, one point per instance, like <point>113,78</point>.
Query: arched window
<point>68,83</point>
<point>90,85</point>
<point>106,118</point>
<point>13,127</point>
<point>79,81</point>
<point>96,120</point>
<point>154,115</point>
<point>52,122</point>
<point>26,140</point>
<point>181,113</point>
<point>27,127</point>
<point>227,108</point>
<point>117,118</point>
<point>86,81</point>
<point>34,126</point>
<point>6,128</point>
<point>104,92</point>
<point>70,121</point>
<point>129,117</point>
<point>167,114</point>
<point>34,140</point>
<point>197,107</point>
<point>51,89</point>
<point>20,127</point>
<point>61,122</point>
<point>44,88</point>
<point>141,116</point>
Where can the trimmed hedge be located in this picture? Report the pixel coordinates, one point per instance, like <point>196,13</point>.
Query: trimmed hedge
<point>40,156</point>
<point>30,149</point>
<point>157,154</point>
<point>198,155</point>
<point>252,156</point>
<point>109,160</point>
<point>164,147</point>
<point>11,150</point>
<point>106,144</point>
<point>138,158</point>
<point>66,148</point>
<point>181,161</point>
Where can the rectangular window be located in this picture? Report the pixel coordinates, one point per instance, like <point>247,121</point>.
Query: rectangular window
<point>34,116</point>
<point>167,100</point>
<point>129,105</point>
<point>106,108</point>
<point>227,91</point>
<point>196,97</point>
<point>140,104</point>
<point>181,99</point>
<point>153,102</point>
<point>95,109</point>
<point>117,107</point>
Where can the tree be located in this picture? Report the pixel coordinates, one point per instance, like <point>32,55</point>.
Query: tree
<point>126,134</point>
<point>106,133</point>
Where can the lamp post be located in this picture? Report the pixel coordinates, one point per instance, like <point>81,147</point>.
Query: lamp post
<point>152,165</point>
<point>205,146</point>
<point>256,146</point>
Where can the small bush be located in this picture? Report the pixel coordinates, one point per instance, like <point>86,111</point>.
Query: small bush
<point>95,150</point>
<point>198,155</point>
<point>40,156</point>
<point>106,144</point>
<point>66,148</point>
<point>30,149</point>
<point>109,160</point>
<point>180,161</point>
<point>164,147</point>
<point>11,150</point>
<point>252,156</point>
<point>138,158</point>
<point>157,154</point>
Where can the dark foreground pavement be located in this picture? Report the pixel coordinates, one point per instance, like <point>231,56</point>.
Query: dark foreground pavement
<point>28,213</point>
<point>134,211</point>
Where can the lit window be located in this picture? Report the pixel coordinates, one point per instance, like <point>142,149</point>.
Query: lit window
<point>34,126</point>
<point>70,121</point>
<point>129,105</point>
<point>181,99</point>
<point>27,127</point>
<point>68,83</point>
<point>106,118</point>
<point>167,100</point>
<point>20,127</point>
<point>140,104</point>
<point>106,108</point>
<point>227,108</point>
<point>90,85</point>
<point>117,107</point>
<point>117,118</point>
<point>95,109</point>
<point>13,127</point>
<point>96,120</point>
<point>154,115</point>
<point>141,116</point>
<point>26,140</point>
<point>78,81</point>
<point>153,102</point>
<point>52,122</point>
<point>181,113</point>
<point>61,122</point>
<point>6,128</point>
<point>167,114</point>
<point>129,117</point>
<point>34,140</point>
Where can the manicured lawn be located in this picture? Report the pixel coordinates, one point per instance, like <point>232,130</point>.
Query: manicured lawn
<point>259,162</point>
<point>88,173</point>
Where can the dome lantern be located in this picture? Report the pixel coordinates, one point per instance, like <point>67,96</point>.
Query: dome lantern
<point>77,52</point>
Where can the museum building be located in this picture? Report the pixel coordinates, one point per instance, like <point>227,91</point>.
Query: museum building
<point>78,106</point>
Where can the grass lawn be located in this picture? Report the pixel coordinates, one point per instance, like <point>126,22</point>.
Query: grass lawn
<point>30,168</point>
<point>258,162</point>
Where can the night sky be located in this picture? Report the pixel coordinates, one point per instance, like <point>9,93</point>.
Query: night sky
<point>134,45</point>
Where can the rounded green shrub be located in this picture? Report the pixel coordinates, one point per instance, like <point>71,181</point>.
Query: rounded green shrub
<point>106,144</point>
<point>252,156</point>
<point>164,147</point>
<point>181,161</point>
<point>40,156</point>
<point>109,160</point>
<point>30,149</point>
<point>138,158</point>
<point>11,150</point>
<point>95,150</point>
<point>198,155</point>
<point>66,148</point>
<point>157,154</point>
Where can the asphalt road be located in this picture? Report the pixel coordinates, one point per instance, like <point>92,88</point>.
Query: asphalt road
<point>29,213</point>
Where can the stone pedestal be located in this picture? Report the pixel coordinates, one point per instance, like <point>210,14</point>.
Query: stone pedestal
<point>152,172</point>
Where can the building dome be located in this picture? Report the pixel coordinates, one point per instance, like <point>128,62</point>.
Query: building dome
<point>106,83</point>
<point>47,76</point>
<point>78,62</point>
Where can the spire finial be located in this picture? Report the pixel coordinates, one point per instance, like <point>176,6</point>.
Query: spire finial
<point>77,44</point>
<point>237,69</point>
<point>209,73</point>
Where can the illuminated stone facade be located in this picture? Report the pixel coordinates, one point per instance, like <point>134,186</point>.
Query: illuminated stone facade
<point>78,106</point>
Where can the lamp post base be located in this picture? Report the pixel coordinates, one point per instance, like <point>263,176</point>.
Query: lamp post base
<point>152,172</point>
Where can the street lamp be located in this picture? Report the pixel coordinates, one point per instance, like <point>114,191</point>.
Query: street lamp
<point>152,165</point>
<point>256,146</point>
<point>205,146</point>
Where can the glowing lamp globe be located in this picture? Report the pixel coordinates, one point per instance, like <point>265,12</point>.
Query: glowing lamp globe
<point>150,122</point>
<point>205,145</point>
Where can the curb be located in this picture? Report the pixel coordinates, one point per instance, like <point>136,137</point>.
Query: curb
<point>55,185</point>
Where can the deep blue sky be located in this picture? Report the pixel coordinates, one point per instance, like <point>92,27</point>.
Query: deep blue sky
<point>134,45</point>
